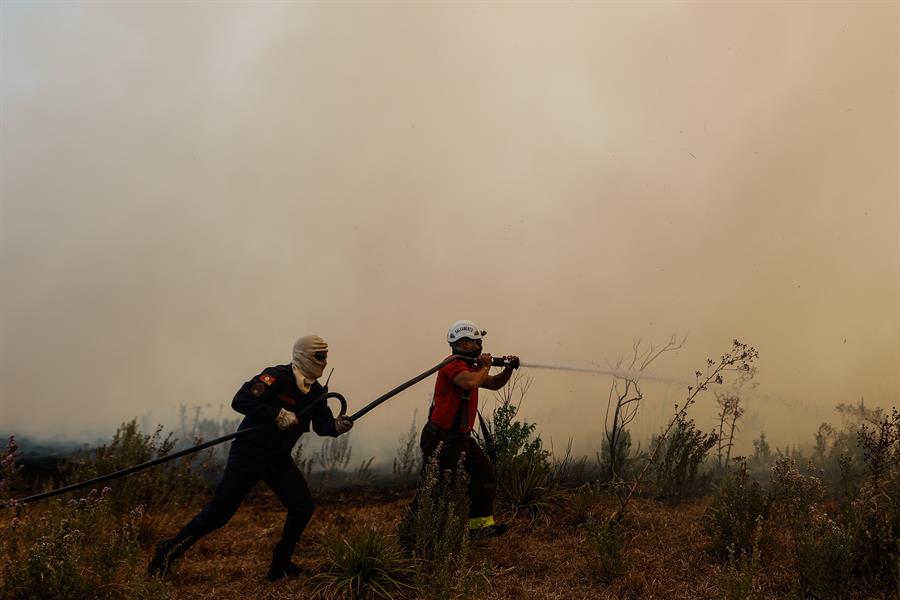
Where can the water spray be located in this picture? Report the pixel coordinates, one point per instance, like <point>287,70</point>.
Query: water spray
<point>502,362</point>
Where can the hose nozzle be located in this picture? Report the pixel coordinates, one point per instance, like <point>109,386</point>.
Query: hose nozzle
<point>500,361</point>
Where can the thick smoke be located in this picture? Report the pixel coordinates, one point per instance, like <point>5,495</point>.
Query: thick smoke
<point>186,189</point>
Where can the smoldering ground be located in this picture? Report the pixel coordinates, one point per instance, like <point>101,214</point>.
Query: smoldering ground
<point>186,190</point>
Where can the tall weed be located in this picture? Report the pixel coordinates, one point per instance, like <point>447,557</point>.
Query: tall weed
<point>437,532</point>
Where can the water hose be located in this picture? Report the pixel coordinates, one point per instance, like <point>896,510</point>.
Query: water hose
<point>497,362</point>
<point>240,432</point>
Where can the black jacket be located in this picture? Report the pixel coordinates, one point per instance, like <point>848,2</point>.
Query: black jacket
<point>260,399</point>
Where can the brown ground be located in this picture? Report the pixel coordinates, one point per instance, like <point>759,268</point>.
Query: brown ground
<point>664,558</point>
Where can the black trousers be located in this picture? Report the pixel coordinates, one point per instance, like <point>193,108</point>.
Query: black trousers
<point>482,481</point>
<point>286,481</point>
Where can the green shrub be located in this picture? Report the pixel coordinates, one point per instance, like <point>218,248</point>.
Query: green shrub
<point>526,480</point>
<point>511,437</point>
<point>364,564</point>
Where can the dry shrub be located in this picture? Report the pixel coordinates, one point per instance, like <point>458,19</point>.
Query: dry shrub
<point>75,549</point>
<point>172,483</point>
<point>91,546</point>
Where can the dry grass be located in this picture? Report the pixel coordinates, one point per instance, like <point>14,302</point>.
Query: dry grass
<point>664,554</point>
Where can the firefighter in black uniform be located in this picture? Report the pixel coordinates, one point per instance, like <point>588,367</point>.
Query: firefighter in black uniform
<point>274,396</point>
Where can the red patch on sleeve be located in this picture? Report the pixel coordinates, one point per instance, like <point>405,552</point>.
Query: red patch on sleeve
<point>267,379</point>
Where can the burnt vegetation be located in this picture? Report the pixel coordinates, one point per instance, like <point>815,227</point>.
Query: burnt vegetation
<point>680,517</point>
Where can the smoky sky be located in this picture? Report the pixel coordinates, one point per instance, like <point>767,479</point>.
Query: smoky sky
<point>188,187</point>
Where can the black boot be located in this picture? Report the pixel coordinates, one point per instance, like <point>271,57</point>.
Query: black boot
<point>488,532</point>
<point>282,568</point>
<point>166,554</point>
<point>168,551</point>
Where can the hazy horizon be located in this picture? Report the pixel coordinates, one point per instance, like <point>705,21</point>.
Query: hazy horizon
<point>188,188</point>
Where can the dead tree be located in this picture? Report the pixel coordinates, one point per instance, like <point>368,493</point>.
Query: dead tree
<point>623,402</point>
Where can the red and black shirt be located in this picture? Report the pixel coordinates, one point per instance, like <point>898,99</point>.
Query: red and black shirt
<point>448,398</point>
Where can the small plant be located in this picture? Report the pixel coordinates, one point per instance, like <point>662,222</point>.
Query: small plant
<point>363,474</point>
<point>304,463</point>
<point>10,471</point>
<point>739,580</point>
<point>605,535</point>
<point>408,461</point>
<point>364,564</point>
<point>762,451</point>
<point>571,472</point>
<point>512,437</point>
<point>333,457</point>
<point>442,516</point>
<point>529,485</point>
<point>616,458</point>
<point>734,519</point>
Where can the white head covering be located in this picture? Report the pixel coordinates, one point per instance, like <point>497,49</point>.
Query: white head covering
<point>305,366</point>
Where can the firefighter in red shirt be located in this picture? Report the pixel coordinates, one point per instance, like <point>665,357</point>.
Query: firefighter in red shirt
<point>452,417</point>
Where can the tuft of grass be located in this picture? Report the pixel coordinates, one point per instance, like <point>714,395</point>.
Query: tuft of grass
<point>527,484</point>
<point>364,564</point>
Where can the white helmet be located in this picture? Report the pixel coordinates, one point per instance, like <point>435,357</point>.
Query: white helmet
<point>464,329</point>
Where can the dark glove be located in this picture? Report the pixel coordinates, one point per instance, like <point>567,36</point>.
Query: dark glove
<point>343,425</point>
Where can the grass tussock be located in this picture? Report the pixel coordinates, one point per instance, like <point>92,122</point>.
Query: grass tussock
<point>364,563</point>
